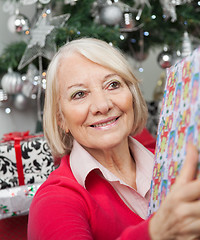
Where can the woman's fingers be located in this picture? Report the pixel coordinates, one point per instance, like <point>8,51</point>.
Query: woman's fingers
<point>190,192</point>
<point>189,169</point>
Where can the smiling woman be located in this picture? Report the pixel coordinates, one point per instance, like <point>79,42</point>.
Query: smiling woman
<point>72,64</point>
<point>101,189</point>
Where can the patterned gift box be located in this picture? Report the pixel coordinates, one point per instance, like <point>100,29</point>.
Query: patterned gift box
<point>24,159</point>
<point>179,125</point>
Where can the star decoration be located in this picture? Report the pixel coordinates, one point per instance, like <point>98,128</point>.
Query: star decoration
<point>42,38</point>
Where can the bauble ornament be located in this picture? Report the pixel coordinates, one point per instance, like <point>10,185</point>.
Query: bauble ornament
<point>20,101</point>
<point>11,82</point>
<point>165,58</point>
<point>18,23</point>
<point>111,15</point>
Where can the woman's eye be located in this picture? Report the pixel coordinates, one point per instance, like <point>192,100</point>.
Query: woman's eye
<point>78,95</point>
<point>114,85</point>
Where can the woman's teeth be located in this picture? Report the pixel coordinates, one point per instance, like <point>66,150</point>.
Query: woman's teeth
<point>104,124</point>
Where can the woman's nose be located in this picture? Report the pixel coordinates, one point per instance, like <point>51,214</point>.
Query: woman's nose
<point>100,103</point>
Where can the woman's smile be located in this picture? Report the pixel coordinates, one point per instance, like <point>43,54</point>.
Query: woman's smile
<point>105,124</point>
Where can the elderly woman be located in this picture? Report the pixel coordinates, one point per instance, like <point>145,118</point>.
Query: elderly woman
<point>101,189</point>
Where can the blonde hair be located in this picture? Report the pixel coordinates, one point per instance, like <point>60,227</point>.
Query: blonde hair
<point>103,54</point>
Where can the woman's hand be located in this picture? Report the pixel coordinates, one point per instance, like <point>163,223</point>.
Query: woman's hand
<point>179,215</point>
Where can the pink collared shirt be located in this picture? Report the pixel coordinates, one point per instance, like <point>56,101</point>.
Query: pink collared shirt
<point>138,200</point>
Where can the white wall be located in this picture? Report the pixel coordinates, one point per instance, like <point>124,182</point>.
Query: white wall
<point>150,75</point>
<point>26,120</point>
<point>16,120</point>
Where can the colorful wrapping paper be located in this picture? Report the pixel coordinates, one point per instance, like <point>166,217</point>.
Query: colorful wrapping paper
<point>16,201</point>
<point>179,124</point>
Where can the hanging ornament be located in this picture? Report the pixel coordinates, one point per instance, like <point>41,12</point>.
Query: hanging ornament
<point>169,7</point>
<point>186,45</point>
<point>165,58</point>
<point>128,23</point>
<point>111,15</point>
<point>18,23</point>
<point>11,82</point>
<point>4,99</point>
<point>42,43</point>
<point>20,101</point>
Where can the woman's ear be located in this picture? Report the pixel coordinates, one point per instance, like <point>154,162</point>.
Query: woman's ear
<point>62,123</point>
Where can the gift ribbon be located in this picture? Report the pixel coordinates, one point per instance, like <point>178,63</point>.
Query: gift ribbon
<point>17,137</point>
<point>18,154</point>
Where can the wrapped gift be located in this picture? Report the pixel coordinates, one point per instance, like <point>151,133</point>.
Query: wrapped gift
<point>24,159</point>
<point>16,201</point>
<point>179,125</point>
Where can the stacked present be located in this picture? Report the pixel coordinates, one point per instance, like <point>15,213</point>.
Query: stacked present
<point>25,163</point>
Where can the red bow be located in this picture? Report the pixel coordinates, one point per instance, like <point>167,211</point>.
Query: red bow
<point>16,136</point>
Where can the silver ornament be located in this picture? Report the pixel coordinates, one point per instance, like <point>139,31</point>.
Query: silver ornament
<point>20,101</point>
<point>4,99</point>
<point>128,23</point>
<point>18,23</point>
<point>11,82</point>
<point>165,58</point>
<point>111,15</point>
<point>186,45</point>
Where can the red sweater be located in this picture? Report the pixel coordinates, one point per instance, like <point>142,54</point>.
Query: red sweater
<point>63,209</point>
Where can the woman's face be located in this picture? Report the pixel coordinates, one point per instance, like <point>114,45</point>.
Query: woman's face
<point>96,103</point>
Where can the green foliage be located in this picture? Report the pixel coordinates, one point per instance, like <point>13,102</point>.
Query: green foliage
<point>81,23</point>
<point>11,56</point>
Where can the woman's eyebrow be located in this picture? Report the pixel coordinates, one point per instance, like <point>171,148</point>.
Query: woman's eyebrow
<point>75,85</point>
<point>111,75</point>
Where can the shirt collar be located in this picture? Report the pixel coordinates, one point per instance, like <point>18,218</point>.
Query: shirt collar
<point>82,163</point>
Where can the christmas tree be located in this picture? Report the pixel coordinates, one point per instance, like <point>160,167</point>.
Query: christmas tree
<point>134,26</point>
